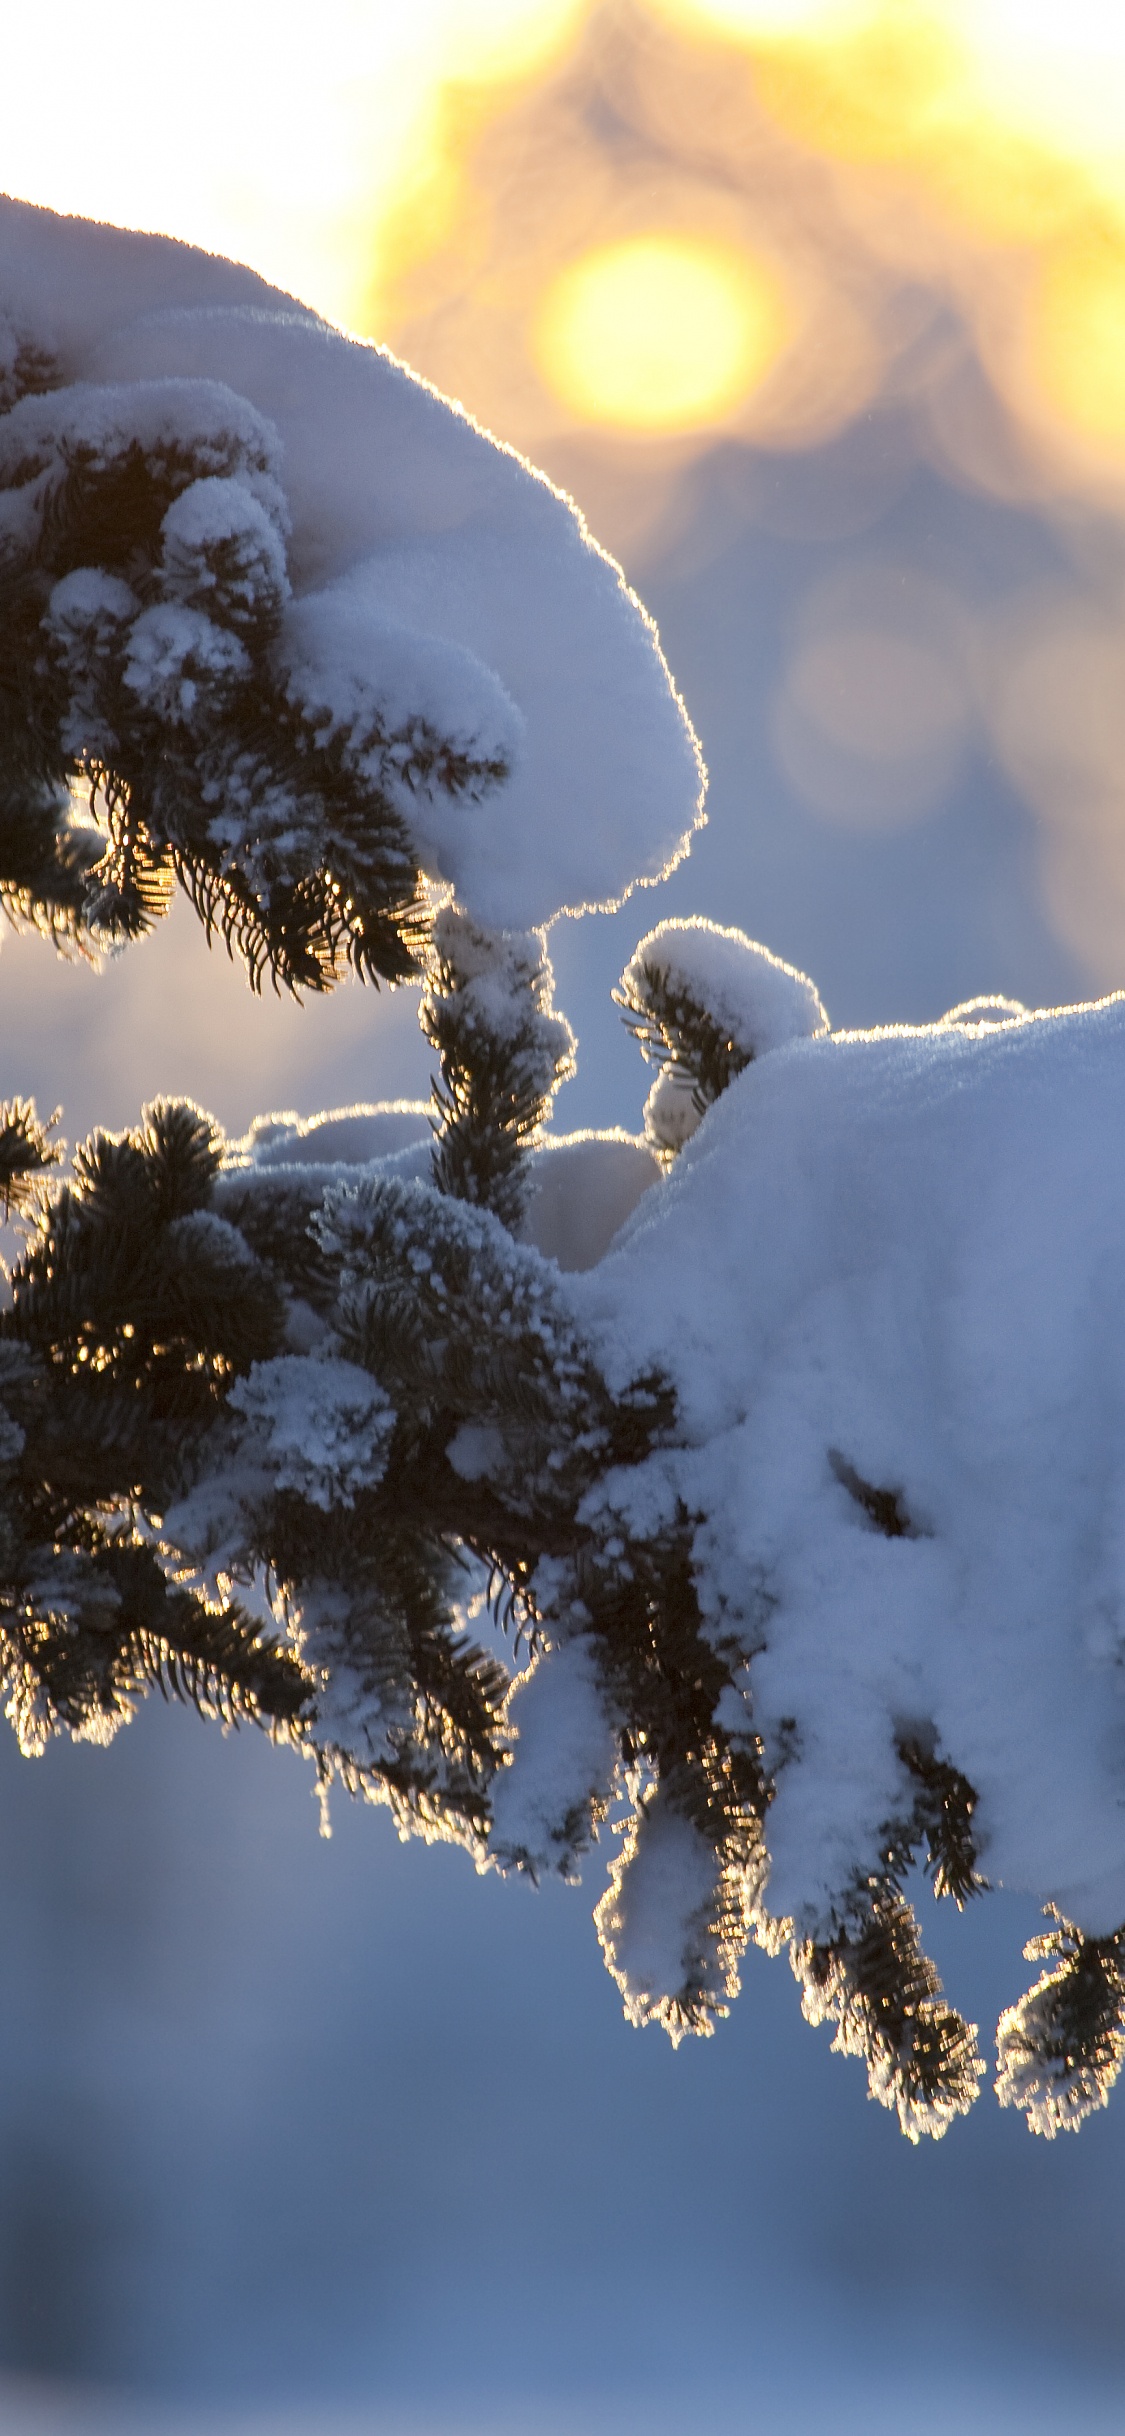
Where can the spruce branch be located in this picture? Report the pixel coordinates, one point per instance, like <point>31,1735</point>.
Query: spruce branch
<point>502,1053</point>
<point>702,1003</point>
<point>150,680</point>
<point>26,1152</point>
<point>226,1392</point>
<point>1060,2049</point>
<point>884,1996</point>
<point>673,1027</point>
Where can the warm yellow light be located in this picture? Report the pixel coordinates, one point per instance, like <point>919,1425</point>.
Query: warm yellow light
<point>281,137</point>
<point>763,20</point>
<point>1001,122</point>
<point>660,333</point>
<point>1053,66</point>
<point>1076,335</point>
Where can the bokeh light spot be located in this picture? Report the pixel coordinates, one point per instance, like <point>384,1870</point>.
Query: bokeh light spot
<point>1077,335</point>
<point>660,333</point>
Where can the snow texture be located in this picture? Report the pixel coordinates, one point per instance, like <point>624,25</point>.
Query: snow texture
<point>430,565</point>
<point>562,1767</point>
<point>654,1917</point>
<point>583,1186</point>
<point>895,1258</point>
<point>671,1114</point>
<point>358,676</point>
<point>323,1425</point>
<point>758,1001</point>
<point>352,1137</point>
<point>316,1426</point>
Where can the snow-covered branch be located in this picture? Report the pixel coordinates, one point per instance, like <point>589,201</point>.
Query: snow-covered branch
<point>783,1440</point>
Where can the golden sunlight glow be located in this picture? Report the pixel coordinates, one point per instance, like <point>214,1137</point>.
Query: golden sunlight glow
<point>1076,334</point>
<point>282,138</point>
<point>756,20</point>
<point>975,143</point>
<point>662,333</point>
<point>1001,121</point>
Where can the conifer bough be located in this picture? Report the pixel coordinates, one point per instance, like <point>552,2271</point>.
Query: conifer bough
<point>783,1440</point>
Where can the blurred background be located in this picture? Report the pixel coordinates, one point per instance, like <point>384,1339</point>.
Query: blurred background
<point>817,308</point>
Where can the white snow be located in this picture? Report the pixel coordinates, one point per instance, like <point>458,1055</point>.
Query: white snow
<point>562,1765</point>
<point>322,1425</point>
<point>907,1249</point>
<point>653,1918</point>
<point>358,675</point>
<point>170,652</point>
<point>583,1186</point>
<point>213,523</point>
<point>459,563</point>
<point>752,996</point>
<point>86,615</point>
<point>352,1137</point>
<point>98,424</point>
<point>670,1113</point>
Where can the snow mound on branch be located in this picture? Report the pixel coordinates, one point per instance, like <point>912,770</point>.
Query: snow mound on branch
<point>454,551</point>
<point>360,677</point>
<point>557,1781</point>
<point>583,1185</point>
<point>749,993</point>
<point>583,1188</point>
<point>887,1277</point>
<point>350,1137</point>
<point>324,1425</point>
<point>97,425</point>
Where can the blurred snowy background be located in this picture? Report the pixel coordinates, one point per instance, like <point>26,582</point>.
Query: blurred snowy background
<point>297,2135</point>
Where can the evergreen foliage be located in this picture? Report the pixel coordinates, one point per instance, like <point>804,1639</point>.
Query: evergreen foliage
<point>883,1993</point>
<point>131,1309</point>
<point>673,1027</point>
<point>270,1441</point>
<point>1061,2046</point>
<point>158,726</point>
<point>502,1053</point>
<point>26,1152</point>
<point>701,1004</point>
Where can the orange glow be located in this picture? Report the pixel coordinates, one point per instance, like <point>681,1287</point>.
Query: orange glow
<point>999,122</point>
<point>1076,333</point>
<point>284,139</point>
<point>975,145</point>
<point>660,333</point>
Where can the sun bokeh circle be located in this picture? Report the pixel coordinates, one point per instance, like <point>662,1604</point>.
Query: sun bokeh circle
<point>661,333</point>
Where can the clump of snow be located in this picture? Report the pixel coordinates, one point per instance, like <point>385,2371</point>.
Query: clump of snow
<point>351,1137</point>
<point>407,706</point>
<point>557,1782</point>
<point>220,547</point>
<point>654,1918</point>
<point>756,1000</point>
<point>583,1188</point>
<point>895,1261</point>
<point>467,571</point>
<point>87,615</point>
<point>322,1426</point>
<point>171,653</point>
<point>988,1014</point>
<point>671,1113</point>
<point>97,426</point>
<point>503,982</point>
<point>489,1008</point>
